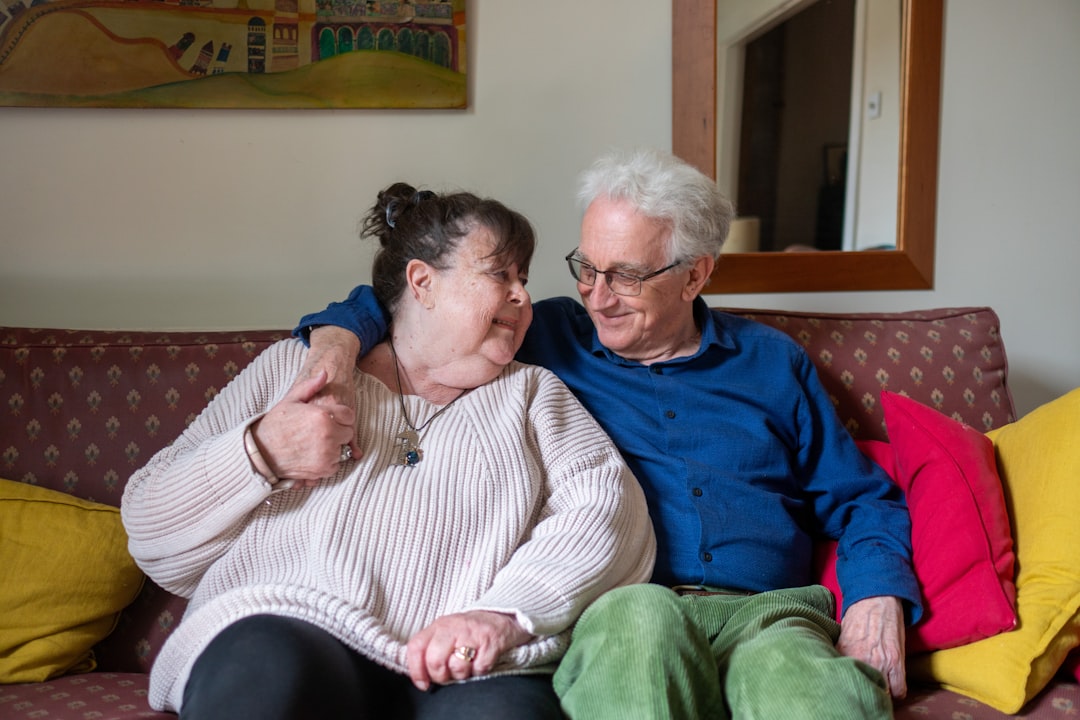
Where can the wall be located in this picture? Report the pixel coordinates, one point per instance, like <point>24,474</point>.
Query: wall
<point>168,218</point>
<point>179,219</point>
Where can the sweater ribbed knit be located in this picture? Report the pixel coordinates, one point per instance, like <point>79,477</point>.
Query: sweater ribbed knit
<point>521,505</point>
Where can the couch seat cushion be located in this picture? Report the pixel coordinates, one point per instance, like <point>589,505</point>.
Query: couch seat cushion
<point>1058,701</point>
<point>101,696</point>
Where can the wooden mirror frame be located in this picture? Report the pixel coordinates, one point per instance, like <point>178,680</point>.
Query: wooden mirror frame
<point>911,265</point>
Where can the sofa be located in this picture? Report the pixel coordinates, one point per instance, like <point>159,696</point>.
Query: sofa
<point>80,410</point>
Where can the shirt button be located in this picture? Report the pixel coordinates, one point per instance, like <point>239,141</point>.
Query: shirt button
<point>656,370</point>
<point>697,492</point>
<point>669,414</point>
<point>707,557</point>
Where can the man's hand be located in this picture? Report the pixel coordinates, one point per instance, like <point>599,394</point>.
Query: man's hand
<point>301,440</point>
<point>334,351</point>
<point>873,631</point>
<point>431,652</point>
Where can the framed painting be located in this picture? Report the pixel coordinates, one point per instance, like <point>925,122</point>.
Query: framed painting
<point>233,53</point>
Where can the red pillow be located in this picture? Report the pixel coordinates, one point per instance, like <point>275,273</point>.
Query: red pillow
<point>1072,664</point>
<point>960,533</point>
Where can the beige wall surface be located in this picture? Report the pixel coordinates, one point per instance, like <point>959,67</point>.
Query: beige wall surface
<point>234,218</point>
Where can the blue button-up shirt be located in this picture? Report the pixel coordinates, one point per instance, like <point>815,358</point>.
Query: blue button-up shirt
<point>738,448</point>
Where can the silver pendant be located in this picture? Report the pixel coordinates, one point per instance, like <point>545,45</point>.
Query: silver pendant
<point>409,453</point>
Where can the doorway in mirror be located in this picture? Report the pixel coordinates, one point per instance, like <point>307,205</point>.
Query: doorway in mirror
<point>793,138</point>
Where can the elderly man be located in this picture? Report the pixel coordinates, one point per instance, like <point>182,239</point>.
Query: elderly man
<point>743,461</point>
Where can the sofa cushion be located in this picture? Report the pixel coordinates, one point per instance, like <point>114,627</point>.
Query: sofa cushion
<point>1038,458</point>
<point>1071,666</point>
<point>960,534</point>
<point>950,359</point>
<point>962,550</point>
<point>67,576</point>
<point>99,695</point>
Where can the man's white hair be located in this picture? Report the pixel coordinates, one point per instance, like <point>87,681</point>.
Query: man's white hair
<point>668,190</point>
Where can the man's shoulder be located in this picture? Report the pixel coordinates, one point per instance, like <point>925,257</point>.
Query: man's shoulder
<point>559,316</point>
<point>561,306</point>
<point>743,330</point>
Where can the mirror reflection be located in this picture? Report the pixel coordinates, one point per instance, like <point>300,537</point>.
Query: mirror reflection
<point>812,147</point>
<point>702,122</point>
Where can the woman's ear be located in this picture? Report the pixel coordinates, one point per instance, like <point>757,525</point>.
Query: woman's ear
<point>699,275</point>
<point>419,276</point>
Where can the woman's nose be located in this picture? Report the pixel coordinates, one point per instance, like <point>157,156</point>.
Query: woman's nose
<point>518,294</point>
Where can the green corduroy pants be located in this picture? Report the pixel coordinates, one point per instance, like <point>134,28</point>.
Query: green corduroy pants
<point>646,652</point>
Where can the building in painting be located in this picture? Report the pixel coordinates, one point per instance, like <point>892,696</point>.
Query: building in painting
<point>177,49</point>
<point>284,41</point>
<point>256,45</point>
<point>222,59</point>
<point>202,62</point>
<point>431,31</point>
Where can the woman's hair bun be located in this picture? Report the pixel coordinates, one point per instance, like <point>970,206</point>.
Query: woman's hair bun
<point>399,199</point>
<point>394,200</point>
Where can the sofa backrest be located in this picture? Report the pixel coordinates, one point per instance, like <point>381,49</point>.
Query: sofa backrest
<point>81,410</point>
<point>950,359</point>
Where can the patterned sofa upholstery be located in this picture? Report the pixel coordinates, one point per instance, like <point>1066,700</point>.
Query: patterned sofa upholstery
<point>80,410</point>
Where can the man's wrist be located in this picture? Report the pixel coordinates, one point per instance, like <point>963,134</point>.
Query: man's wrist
<point>255,457</point>
<point>337,340</point>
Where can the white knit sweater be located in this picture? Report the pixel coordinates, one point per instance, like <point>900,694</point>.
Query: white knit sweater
<point>520,505</point>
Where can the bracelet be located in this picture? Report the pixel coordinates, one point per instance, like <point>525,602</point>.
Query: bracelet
<point>258,462</point>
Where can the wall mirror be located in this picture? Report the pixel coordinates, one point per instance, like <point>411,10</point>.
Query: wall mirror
<point>700,109</point>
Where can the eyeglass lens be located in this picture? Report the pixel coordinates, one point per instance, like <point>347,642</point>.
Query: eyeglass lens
<point>620,283</point>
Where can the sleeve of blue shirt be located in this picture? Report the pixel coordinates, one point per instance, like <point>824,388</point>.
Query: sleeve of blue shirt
<point>360,313</point>
<point>857,503</point>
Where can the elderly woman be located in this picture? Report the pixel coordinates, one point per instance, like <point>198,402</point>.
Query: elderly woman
<point>436,570</point>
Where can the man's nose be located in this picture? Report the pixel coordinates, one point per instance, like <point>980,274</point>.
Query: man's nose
<point>600,293</point>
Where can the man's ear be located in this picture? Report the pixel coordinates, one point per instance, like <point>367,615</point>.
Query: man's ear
<point>700,272</point>
<point>420,278</point>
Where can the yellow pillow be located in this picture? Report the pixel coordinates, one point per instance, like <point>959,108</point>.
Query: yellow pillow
<point>67,575</point>
<point>1038,459</point>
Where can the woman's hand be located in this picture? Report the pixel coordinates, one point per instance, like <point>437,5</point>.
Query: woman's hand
<point>301,440</point>
<point>433,653</point>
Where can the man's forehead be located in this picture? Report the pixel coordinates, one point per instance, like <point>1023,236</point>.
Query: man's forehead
<point>639,252</point>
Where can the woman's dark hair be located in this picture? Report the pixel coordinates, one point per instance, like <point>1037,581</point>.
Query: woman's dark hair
<point>422,225</point>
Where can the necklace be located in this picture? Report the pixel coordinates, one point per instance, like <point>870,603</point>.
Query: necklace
<point>409,452</point>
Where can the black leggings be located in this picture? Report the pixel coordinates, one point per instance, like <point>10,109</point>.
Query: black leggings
<point>277,668</point>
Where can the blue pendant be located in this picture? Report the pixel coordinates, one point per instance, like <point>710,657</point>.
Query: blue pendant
<point>409,453</point>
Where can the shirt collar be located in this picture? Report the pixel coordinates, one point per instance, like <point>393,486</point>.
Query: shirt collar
<point>713,334</point>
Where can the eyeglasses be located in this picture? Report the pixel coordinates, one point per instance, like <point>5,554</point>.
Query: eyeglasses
<point>620,283</point>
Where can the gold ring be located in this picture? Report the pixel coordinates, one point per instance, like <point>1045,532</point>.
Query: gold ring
<point>466,653</point>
